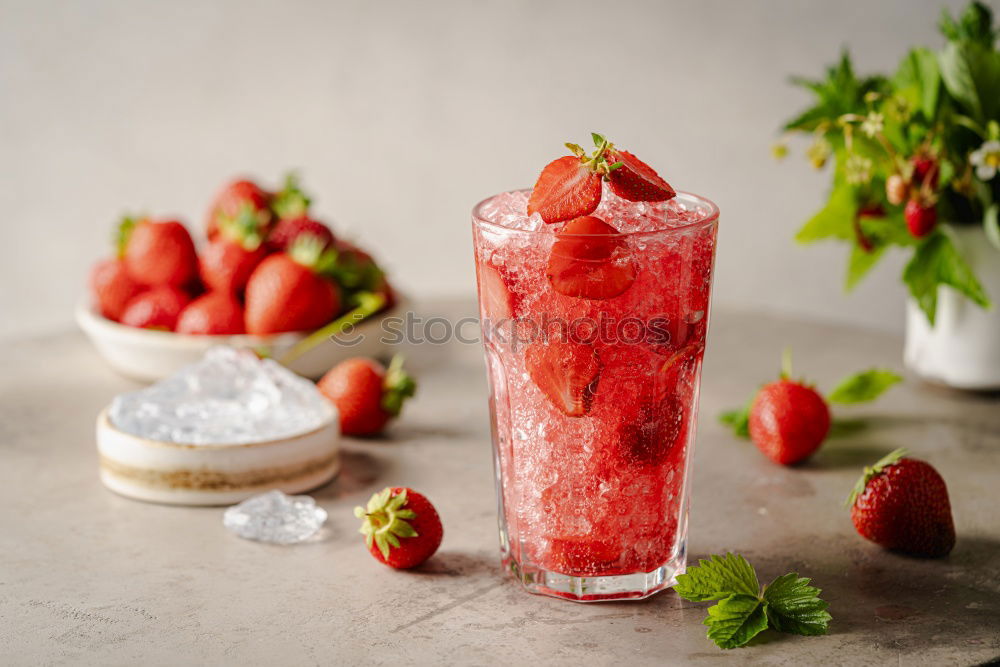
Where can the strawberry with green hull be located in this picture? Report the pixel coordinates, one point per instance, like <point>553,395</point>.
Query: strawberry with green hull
<point>921,217</point>
<point>367,395</point>
<point>157,308</point>
<point>239,199</point>
<point>289,291</point>
<point>290,202</point>
<point>401,527</point>
<point>231,257</point>
<point>212,314</point>
<point>158,253</point>
<point>902,504</point>
<point>789,420</point>
<point>287,230</point>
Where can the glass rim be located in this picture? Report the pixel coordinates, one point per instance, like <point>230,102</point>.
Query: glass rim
<point>711,216</point>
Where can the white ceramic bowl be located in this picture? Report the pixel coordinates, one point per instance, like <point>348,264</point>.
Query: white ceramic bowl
<point>149,355</point>
<point>179,474</point>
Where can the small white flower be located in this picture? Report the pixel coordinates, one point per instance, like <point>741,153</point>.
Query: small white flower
<point>986,160</point>
<point>858,169</point>
<point>872,124</point>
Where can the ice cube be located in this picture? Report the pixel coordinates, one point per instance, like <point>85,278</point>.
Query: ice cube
<point>229,397</point>
<point>275,517</point>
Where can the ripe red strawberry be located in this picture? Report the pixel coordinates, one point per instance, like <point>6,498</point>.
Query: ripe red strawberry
<point>590,259</point>
<point>788,421</point>
<point>367,395</point>
<point>112,287</point>
<point>497,299</point>
<point>212,314</point>
<point>286,231</point>
<point>240,198</point>
<point>902,504</point>
<point>921,218</point>
<point>401,527</point>
<point>925,172</point>
<point>566,372</point>
<point>567,188</point>
<point>286,292</point>
<point>157,308</point>
<point>226,265</point>
<point>635,180</point>
<point>158,253</point>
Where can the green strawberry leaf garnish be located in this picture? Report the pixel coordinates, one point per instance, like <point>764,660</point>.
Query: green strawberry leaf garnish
<point>788,604</point>
<point>889,459</point>
<point>795,607</point>
<point>716,578</point>
<point>864,386</point>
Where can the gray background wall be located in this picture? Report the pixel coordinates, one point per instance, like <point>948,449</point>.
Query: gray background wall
<point>401,115</point>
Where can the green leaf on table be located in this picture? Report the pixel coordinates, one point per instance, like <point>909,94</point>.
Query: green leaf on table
<point>717,577</point>
<point>737,420</point>
<point>835,220</point>
<point>864,386</point>
<point>736,620</point>
<point>787,604</point>
<point>794,606</point>
<point>937,262</point>
<point>991,225</point>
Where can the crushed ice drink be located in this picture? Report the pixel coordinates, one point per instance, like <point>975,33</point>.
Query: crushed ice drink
<point>594,355</point>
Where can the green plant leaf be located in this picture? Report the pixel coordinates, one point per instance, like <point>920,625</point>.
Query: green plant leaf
<point>794,606</point>
<point>864,386</point>
<point>718,577</point>
<point>737,420</point>
<point>736,620</point>
<point>918,81</point>
<point>937,262</point>
<point>835,220</point>
<point>971,73</point>
<point>859,263</point>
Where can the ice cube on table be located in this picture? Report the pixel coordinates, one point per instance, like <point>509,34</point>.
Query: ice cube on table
<point>229,397</point>
<point>275,517</point>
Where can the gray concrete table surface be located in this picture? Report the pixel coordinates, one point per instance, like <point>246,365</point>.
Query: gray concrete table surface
<point>88,577</point>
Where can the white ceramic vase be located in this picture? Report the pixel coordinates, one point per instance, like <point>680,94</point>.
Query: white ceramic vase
<point>962,349</point>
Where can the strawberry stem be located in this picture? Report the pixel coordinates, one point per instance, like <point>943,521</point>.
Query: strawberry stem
<point>786,363</point>
<point>397,387</point>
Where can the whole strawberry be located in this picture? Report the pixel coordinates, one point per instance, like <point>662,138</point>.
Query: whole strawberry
<point>788,421</point>
<point>902,504</point>
<point>921,217</point>
<point>112,287</point>
<point>287,230</point>
<point>158,253</point>
<point>241,198</point>
<point>157,308</point>
<point>366,394</point>
<point>226,265</point>
<point>925,172</point>
<point>288,291</point>
<point>212,314</point>
<point>401,527</point>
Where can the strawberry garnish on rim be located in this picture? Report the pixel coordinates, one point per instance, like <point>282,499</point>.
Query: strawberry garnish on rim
<point>567,188</point>
<point>590,259</point>
<point>566,372</point>
<point>633,179</point>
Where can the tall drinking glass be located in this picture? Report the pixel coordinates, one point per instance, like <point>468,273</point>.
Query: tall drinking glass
<point>594,345</point>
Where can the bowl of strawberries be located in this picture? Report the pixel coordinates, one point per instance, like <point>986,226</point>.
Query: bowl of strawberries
<point>268,276</point>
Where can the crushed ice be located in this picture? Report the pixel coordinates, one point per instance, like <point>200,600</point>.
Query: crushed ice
<point>229,397</point>
<point>275,517</point>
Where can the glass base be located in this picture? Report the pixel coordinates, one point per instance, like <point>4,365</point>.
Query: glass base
<point>635,586</point>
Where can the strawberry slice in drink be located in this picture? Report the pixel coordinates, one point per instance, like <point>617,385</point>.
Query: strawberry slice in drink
<point>567,188</point>
<point>590,260</point>
<point>496,297</point>
<point>635,180</point>
<point>566,372</point>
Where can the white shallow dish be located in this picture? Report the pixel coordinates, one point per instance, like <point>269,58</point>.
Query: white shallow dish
<point>179,474</point>
<point>149,355</point>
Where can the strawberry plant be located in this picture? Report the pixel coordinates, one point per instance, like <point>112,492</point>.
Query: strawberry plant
<point>913,154</point>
